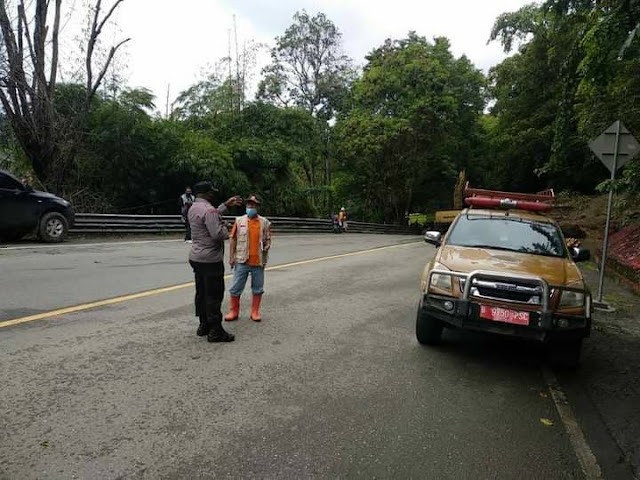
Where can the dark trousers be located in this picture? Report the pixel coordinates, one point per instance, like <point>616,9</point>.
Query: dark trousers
<point>187,227</point>
<point>209,292</point>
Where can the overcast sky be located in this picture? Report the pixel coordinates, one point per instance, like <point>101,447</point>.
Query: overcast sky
<point>173,41</point>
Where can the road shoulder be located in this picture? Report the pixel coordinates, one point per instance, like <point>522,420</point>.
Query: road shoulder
<point>605,390</point>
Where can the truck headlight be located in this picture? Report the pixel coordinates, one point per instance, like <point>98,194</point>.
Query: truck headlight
<point>571,299</point>
<point>441,281</point>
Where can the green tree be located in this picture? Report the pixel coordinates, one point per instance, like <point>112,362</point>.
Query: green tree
<point>308,69</point>
<point>125,158</point>
<point>204,100</point>
<point>430,102</point>
<point>609,69</point>
<point>30,52</point>
<point>575,72</point>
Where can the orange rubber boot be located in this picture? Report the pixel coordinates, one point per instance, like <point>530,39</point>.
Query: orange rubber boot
<point>234,309</point>
<point>255,308</point>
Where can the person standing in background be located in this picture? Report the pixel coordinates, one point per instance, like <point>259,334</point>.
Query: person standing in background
<point>206,258</point>
<point>342,219</point>
<point>335,222</point>
<point>186,200</point>
<point>250,244</point>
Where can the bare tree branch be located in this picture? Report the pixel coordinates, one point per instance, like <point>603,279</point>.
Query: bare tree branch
<point>107,16</point>
<point>16,82</point>
<point>55,49</point>
<point>27,33</point>
<point>90,46</point>
<point>20,34</point>
<point>103,72</point>
<point>39,47</point>
<point>6,105</point>
<point>7,32</point>
<point>28,87</point>
<point>96,28</point>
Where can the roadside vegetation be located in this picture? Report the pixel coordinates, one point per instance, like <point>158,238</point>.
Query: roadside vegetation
<point>384,139</point>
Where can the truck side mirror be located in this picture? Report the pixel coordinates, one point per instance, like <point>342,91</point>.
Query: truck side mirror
<point>433,238</point>
<point>580,254</point>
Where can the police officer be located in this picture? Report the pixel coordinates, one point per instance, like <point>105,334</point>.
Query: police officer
<point>208,232</point>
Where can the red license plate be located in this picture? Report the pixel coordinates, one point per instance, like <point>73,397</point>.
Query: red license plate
<point>498,314</point>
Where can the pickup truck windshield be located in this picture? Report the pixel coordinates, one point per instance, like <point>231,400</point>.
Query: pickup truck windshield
<point>512,234</point>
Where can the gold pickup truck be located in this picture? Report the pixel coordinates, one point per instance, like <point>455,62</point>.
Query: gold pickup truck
<point>506,271</point>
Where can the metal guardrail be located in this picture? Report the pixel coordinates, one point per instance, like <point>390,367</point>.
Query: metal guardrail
<point>115,223</point>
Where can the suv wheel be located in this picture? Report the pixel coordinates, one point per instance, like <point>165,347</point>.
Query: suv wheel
<point>428,329</point>
<point>565,354</point>
<point>53,227</point>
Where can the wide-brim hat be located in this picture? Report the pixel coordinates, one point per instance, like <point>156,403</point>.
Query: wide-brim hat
<point>252,198</point>
<point>203,187</point>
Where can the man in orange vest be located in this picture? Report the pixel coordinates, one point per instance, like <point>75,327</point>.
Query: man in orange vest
<point>250,244</point>
<point>342,219</point>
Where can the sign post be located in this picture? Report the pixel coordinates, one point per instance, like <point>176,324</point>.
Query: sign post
<point>615,147</point>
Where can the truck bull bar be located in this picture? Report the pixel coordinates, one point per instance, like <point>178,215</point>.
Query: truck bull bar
<point>546,313</point>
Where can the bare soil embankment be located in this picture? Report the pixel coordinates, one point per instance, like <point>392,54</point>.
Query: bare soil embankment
<point>584,217</point>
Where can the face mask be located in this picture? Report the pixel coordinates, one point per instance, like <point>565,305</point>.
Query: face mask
<point>252,212</point>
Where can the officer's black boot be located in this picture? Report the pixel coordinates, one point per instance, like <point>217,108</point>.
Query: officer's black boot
<point>214,317</point>
<point>217,333</point>
<point>204,328</point>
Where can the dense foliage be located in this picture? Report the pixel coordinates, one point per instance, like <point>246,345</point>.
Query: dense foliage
<point>386,141</point>
<point>575,72</point>
<point>413,124</point>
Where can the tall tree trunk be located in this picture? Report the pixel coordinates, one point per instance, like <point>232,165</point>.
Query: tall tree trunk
<point>28,77</point>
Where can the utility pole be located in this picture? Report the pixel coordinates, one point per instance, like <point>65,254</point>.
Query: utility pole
<point>166,110</point>
<point>229,78</point>
<point>239,87</point>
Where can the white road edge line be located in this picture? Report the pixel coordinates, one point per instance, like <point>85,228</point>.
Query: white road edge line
<point>97,244</point>
<point>586,458</point>
<point>102,244</point>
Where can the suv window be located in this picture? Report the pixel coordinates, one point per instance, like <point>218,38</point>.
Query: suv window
<point>512,234</point>
<point>9,183</point>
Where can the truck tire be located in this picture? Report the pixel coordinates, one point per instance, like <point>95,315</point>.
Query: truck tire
<point>565,355</point>
<point>428,329</point>
<point>53,227</point>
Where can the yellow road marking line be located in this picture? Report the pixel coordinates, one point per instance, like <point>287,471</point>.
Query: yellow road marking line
<point>87,306</point>
<point>158,291</point>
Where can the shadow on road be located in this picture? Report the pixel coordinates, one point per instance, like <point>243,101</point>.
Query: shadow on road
<point>604,391</point>
<point>493,349</point>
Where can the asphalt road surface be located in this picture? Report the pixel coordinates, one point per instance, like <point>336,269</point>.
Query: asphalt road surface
<point>332,384</point>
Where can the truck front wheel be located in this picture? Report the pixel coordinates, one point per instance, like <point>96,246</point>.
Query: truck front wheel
<point>428,329</point>
<point>565,354</point>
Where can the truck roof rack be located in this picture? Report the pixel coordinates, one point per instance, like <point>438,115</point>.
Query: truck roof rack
<point>534,202</point>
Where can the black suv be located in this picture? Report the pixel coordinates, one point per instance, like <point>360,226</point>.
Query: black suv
<point>24,210</point>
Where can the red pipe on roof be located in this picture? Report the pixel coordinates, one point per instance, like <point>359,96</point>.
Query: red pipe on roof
<point>507,203</point>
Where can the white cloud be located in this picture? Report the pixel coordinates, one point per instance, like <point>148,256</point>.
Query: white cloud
<point>172,41</point>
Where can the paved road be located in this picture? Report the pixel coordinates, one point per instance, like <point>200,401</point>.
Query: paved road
<point>331,384</point>
<point>41,278</point>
